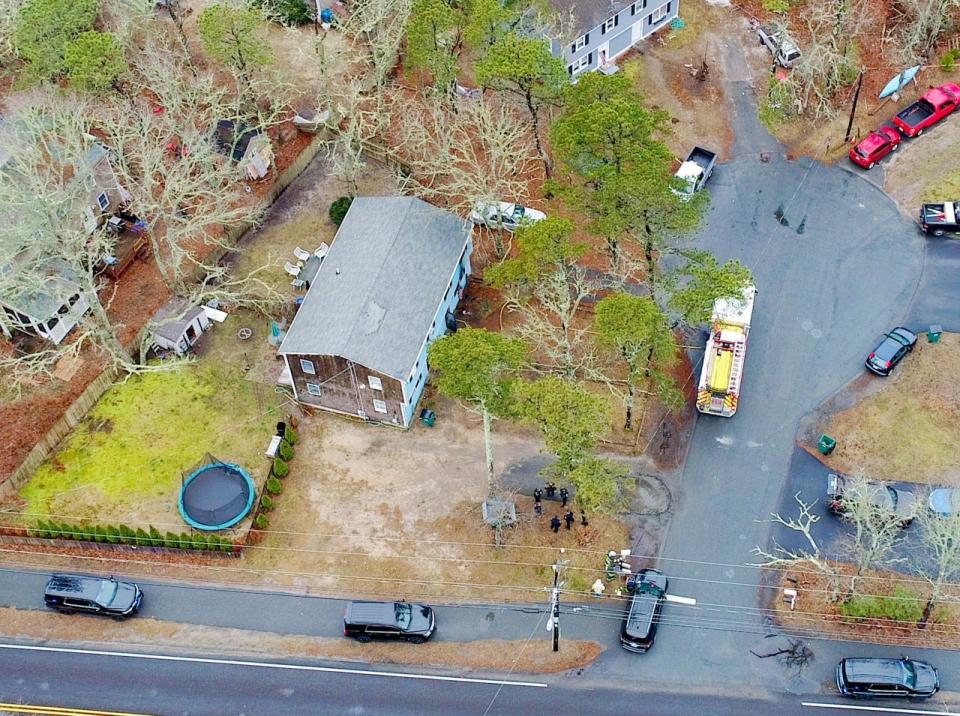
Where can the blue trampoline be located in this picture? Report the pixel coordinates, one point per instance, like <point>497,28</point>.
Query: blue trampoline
<point>216,495</point>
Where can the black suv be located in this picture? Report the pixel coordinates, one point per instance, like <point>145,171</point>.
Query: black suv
<point>871,678</point>
<point>72,593</point>
<point>640,625</point>
<point>894,346</point>
<point>365,621</point>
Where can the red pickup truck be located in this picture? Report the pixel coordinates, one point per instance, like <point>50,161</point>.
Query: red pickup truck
<point>935,104</point>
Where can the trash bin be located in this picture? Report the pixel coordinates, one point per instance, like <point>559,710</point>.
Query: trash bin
<point>933,335</point>
<point>826,444</point>
<point>428,417</point>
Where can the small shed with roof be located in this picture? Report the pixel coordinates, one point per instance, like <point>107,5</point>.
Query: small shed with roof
<point>389,285</point>
<point>177,325</point>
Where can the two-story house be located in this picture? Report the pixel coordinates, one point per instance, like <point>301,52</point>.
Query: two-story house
<point>605,30</point>
<point>388,287</point>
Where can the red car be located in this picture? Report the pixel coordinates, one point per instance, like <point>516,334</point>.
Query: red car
<point>935,104</point>
<point>874,147</point>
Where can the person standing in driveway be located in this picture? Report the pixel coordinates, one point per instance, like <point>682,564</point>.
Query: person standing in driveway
<point>555,524</point>
<point>564,496</point>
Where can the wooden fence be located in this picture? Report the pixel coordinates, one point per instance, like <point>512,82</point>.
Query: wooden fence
<point>48,443</point>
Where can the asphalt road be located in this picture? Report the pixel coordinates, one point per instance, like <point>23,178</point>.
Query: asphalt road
<point>168,686</point>
<point>836,266</point>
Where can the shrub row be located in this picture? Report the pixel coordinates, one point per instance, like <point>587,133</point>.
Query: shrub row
<point>278,470</point>
<point>110,534</point>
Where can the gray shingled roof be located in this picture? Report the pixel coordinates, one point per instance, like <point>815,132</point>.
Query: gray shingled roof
<point>172,318</point>
<point>590,13</point>
<point>380,286</point>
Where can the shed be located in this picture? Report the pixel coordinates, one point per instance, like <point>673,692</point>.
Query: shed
<point>177,325</point>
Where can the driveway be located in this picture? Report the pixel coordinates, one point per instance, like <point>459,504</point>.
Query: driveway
<point>836,264</point>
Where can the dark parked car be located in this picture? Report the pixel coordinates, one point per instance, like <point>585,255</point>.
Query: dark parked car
<point>899,502</point>
<point>875,146</point>
<point>365,621</point>
<point>640,623</point>
<point>894,346</point>
<point>871,678</point>
<point>73,593</point>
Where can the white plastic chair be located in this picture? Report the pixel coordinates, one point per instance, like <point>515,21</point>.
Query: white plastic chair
<point>291,269</point>
<point>301,254</point>
<point>321,250</point>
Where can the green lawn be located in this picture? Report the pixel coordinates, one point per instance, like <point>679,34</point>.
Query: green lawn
<point>123,464</point>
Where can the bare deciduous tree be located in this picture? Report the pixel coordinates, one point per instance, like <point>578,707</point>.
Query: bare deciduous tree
<point>941,535</point>
<point>479,152</point>
<point>875,526</point>
<point>919,24</point>
<point>803,523</point>
<point>377,28</point>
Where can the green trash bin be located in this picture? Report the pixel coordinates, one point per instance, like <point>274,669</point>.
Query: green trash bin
<point>428,417</point>
<point>933,335</point>
<point>826,444</point>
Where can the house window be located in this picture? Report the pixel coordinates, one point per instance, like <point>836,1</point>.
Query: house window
<point>380,406</point>
<point>313,389</point>
<point>306,366</point>
<point>103,201</point>
<point>642,5</point>
<point>658,15</point>
<point>609,25</point>
<point>581,42</point>
<point>580,65</point>
<point>375,382</point>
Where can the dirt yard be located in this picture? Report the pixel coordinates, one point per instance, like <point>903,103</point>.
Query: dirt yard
<point>915,173</point>
<point>908,427</point>
<point>149,634</point>
<point>300,217</point>
<point>667,75</point>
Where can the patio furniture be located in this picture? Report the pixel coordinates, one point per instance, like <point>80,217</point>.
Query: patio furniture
<point>291,269</point>
<point>301,254</point>
<point>321,250</point>
<point>298,284</point>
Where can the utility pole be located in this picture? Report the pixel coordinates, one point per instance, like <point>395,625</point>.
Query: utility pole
<point>553,623</point>
<point>853,109</point>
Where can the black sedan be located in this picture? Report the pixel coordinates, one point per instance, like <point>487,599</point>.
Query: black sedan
<point>901,503</point>
<point>894,346</point>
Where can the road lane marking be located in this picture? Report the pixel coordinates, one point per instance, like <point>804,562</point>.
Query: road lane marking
<point>60,711</point>
<point>269,665</point>
<point>880,709</point>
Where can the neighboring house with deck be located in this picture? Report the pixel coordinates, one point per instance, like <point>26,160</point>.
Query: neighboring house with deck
<point>605,30</point>
<point>388,286</point>
<point>53,307</point>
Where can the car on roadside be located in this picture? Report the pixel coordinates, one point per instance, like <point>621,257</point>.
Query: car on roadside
<point>639,629</point>
<point>891,350</point>
<point>68,593</point>
<point>940,218</point>
<point>901,503</point>
<point>503,215</point>
<point>875,146</point>
<point>945,501</point>
<point>934,105</point>
<point>400,621</point>
<point>887,678</point>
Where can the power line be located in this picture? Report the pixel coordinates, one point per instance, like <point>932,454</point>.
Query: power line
<point>773,568</point>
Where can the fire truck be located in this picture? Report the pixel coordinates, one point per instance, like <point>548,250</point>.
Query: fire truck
<point>719,389</point>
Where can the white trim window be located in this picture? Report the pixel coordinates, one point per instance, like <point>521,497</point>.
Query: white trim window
<point>306,366</point>
<point>581,42</point>
<point>375,382</point>
<point>610,24</point>
<point>659,14</point>
<point>580,65</point>
<point>103,201</point>
<point>313,389</point>
<point>380,406</point>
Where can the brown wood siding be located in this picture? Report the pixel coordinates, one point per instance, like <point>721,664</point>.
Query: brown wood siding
<point>345,387</point>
